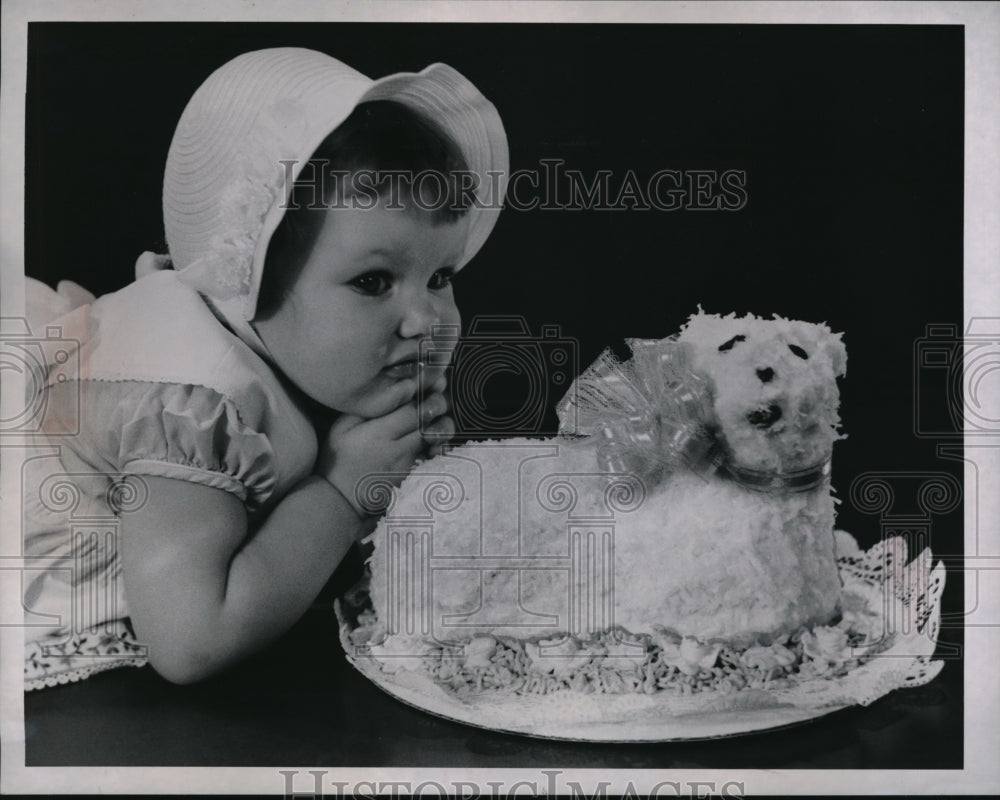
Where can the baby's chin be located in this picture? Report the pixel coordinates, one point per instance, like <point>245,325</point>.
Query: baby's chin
<point>379,398</point>
<point>381,394</point>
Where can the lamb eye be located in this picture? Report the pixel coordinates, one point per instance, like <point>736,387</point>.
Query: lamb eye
<point>798,351</point>
<point>726,346</point>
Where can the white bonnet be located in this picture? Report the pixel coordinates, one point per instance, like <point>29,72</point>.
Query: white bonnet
<point>226,178</point>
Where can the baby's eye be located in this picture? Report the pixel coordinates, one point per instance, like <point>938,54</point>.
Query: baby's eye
<point>442,278</point>
<point>373,283</point>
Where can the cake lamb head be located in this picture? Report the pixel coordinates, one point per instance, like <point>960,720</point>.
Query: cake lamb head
<point>774,391</point>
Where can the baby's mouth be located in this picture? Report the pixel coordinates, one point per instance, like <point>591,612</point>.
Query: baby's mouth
<point>410,368</point>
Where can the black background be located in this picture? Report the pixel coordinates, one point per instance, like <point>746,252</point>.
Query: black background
<point>851,138</point>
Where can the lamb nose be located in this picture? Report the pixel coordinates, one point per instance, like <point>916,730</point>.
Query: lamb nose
<point>765,417</point>
<point>766,375</point>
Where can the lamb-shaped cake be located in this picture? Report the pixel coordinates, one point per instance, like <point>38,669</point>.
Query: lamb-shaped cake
<point>685,503</point>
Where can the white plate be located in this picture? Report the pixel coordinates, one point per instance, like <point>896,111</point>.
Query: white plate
<point>874,575</point>
<point>592,718</point>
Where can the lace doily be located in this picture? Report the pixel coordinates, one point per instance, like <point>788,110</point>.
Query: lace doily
<point>903,601</point>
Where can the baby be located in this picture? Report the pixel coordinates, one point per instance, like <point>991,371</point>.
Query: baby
<point>226,410</point>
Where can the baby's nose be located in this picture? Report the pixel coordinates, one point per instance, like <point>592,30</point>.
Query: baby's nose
<point>420,319</point>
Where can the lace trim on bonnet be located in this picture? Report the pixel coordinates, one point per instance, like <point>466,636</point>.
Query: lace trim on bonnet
<point>227,273</point>
<point>226,270</point>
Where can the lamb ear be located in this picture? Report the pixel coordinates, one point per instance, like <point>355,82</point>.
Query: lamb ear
<point>837,352</point>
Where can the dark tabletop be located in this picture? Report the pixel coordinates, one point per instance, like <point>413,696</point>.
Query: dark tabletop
<point>300,703</point>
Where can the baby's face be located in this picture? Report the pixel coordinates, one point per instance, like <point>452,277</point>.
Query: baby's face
<point>374,286</point>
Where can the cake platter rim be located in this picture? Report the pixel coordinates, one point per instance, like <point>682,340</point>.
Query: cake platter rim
<point>421,693</point>
<point>646,718</point>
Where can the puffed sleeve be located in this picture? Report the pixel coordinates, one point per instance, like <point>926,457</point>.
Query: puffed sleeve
<point>191,433</point>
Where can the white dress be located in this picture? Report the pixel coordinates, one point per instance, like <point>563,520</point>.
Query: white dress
<point>144,381</point>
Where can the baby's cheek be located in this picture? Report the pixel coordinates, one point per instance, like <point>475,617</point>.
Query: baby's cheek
<point>444,346</point>
<point>445,332</point>
<point>378,351</point>
<point>370,337</point>
<point>448,312</point>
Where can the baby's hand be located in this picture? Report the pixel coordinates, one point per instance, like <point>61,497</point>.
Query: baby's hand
<point>356,447</point>
<point>438,427</point>
<point>148,263</point>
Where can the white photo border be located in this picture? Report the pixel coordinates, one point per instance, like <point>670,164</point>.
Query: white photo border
<point>981,299</point>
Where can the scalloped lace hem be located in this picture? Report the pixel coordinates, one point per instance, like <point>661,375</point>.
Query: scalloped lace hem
<point>76,675</point>
<point>69,658</point>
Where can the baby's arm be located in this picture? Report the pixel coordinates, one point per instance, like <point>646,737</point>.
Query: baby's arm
<point>202,595</point>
